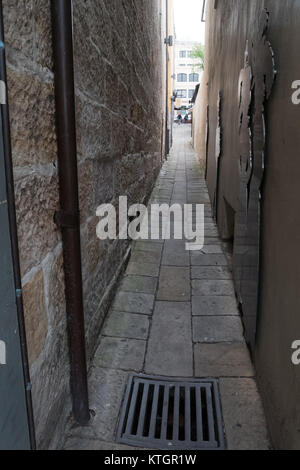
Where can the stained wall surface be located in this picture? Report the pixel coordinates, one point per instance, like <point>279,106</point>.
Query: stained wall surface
<point>232,24</point>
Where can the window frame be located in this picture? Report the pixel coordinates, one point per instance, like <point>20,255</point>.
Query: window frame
<point>180,77</point>
<point>180,93</point>
<point>194,74</point>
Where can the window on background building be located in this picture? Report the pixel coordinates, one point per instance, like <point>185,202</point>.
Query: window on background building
<point>181,94</point>
<point>194,77</point>
<point>182,65</point>
<point>182,54</point>
<point>189,53</point>
<point>182,77</point>
<point>191,94</point>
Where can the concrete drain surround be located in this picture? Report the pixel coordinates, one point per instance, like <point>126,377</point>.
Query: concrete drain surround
<point>166,413</point>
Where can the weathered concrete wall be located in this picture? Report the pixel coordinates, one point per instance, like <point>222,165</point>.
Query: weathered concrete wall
<point>118,71</point>
<point>199,124</point>
<point>200,107</point>
<point>231,24</point>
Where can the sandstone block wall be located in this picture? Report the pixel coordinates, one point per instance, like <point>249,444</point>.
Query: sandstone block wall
<point>118,75</point>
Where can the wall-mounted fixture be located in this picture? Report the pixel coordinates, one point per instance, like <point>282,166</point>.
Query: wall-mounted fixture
<point>169,41</point>
<point>203,11</point>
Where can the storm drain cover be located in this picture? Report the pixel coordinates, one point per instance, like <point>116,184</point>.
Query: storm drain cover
<point>163,413</point>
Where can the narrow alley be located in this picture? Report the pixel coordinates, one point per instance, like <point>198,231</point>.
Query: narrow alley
<point>175,315</point>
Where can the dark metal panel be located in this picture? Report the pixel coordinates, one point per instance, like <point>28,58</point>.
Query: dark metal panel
<point>14,431</point>
<point>218,150</point>
<point>2,171</point>
<point>255,86</point>
<point>206,141</point>
<point>16,413</point>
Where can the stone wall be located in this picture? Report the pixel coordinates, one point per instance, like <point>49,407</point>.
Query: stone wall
<point>119,100</point>
<point>118,75</point>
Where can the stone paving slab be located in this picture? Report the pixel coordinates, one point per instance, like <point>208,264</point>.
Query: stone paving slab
<point>170,351</point>
<point>198,200</point>
<point>146,257</point>
<point>175,246</point>
<point>127,325</point>
<point>106,391</point>
<point>212,249</point>
<point>217,329</point>
<point>200,259</point>
<point>142,269</point>
<point>210,287</point>
<point>211,241</point>
<point>77,443</point>
<point>222,360</point>
<point>132,302</point>
<point>174,284</point>
<point>211,272</point>
<point>148,245</point>
<point>243,415</point>
<point>211,232</point>
<point>176,259</point>
<point>121,353</point>
<point>210,225</point>
<point>139,284</point>
<point>214,305</point>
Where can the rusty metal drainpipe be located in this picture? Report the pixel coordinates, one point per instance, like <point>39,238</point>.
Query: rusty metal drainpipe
<point>68,219</point>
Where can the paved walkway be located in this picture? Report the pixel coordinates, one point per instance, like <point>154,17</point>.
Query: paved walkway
<point>175,314</point>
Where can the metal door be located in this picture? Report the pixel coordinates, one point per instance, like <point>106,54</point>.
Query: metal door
<point>255,87</point>
<point>15,399</point>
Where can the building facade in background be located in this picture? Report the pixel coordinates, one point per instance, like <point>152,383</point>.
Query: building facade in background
<point>187,74</point>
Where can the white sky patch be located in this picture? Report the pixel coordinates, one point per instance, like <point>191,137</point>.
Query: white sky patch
<point>188,23</point>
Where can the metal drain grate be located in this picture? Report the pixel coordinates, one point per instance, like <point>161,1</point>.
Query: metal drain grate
<point>164,413</point>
